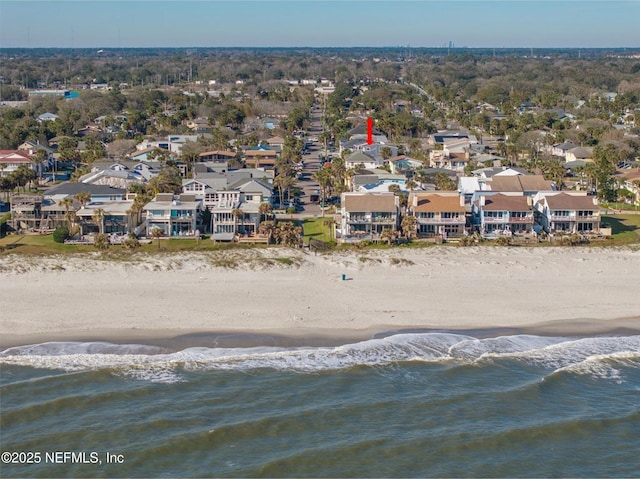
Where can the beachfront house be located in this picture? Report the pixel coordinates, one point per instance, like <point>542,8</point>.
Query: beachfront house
<point>567,212</point>
<point>109,217</point>
<point>438,214</point>
<point>175,215</point>
<point>496,214</point>
<point>364,216</point>
<point>233,198</point>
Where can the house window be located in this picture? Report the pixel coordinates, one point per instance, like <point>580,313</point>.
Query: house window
<point>428,215</point>
<point>181,213</point>
<point>449,215</point>
<point>427,229</point>
<point>452,229</point>
<point>493,214</point>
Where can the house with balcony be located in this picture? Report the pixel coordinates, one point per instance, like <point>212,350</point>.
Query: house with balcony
<point>496,214</point>
<point>11,160</point>
<point>217,155</point>
<point>567,212</point>
<point>448,161</point>
<point>175,215</point>
<point>438,214</point>
<point>233,201</point>
<point>261,157</point>
<point>361,160</point>
<point>117,217</point>
<point>365,215</point>
<point>358,143</point>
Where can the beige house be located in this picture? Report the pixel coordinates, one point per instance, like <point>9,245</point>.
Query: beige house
<point>501,214</point>
<point>441,213</point>
<point>569,213</point>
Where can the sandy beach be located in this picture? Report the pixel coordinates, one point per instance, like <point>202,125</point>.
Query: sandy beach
<point>295,296</point>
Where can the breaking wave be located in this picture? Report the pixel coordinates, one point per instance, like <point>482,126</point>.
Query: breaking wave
<point>601,357</point>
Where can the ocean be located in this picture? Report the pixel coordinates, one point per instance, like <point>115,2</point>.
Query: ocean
<point>407,405</point>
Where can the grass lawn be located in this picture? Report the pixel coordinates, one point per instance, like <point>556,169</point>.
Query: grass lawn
<point>316,229</point>
<point>624,228</point>
<point>39,244</point>
<point>44,244</point>
<point>619,206</point>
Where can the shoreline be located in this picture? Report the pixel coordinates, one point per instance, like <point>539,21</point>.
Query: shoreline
<point>175,340</point>
<point>292,297</point>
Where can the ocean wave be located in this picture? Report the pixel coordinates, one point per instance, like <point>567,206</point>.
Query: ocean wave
<point>600,356</point>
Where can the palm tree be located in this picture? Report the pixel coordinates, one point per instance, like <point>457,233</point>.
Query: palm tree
<point>388,235</point>
<point>267,228</point>
<point>411,185</point>
<point>83,198</point>
<point>394,188</point>
<point>408,226</point>
<point>67,204</point>
<point>237,213</point>
<point>134,212</point>
<point>324,179</point>
<point>98,217</point>
<point>265,209</point>
<point>157,233</point>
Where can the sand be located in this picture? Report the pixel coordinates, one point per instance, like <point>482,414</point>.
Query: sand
<point>295,296</point>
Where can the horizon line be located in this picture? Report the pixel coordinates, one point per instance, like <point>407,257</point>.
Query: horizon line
<point>409,47</point>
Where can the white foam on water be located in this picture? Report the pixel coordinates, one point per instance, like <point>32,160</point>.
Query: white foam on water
<point>61,348</point>
<point>150,364</point>
<point>603,366</point>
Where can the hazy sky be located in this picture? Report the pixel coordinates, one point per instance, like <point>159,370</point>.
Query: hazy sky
<point>207,23</point>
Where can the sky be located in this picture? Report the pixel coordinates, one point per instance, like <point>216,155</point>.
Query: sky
<point>291,23</point>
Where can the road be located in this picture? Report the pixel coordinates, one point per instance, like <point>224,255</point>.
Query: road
<point>307,184</point>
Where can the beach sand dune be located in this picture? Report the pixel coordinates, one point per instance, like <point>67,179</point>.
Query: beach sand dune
<point>292,293</point>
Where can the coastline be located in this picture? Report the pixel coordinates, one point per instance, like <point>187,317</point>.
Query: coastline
<point>292,298</point>
<point>175,340</point>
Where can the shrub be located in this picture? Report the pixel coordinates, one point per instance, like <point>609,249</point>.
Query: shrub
<point>503,241</point>
<point>466,241</point>
<point>101,241</point>
<point>131,242</point>
<point>60,234</point>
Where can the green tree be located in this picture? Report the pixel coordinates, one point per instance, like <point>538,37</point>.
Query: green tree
<point>445,183</point>
<point>388,235</point>
<point>60,234</point>
<point>265,209</point>
<point>408,226</point>
<point>101,241</point>
<point>98,218</point>
<point>83,198</point>
<point>70,214</point>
